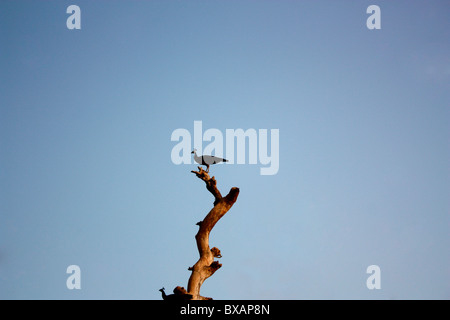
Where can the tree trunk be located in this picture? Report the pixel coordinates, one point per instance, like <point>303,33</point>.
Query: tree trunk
<point>206,266</point>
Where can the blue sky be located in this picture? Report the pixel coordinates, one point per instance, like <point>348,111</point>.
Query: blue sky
<point>86,176</point>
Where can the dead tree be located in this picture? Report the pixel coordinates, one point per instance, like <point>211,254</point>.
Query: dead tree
<point>206,266</point>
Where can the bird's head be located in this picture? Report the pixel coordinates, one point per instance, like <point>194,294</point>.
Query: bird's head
<point>162,289</point>
<point>194,151</point>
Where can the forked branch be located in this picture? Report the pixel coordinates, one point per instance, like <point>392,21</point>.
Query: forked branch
<point>206,266</point>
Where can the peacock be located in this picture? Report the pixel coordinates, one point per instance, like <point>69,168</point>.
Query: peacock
<point>179,294</point>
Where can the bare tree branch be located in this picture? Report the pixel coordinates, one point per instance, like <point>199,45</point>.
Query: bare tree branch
<point>206,266</point>
<point>210,184</point>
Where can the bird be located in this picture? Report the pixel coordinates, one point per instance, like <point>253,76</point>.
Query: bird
<point>170,297</point>
<point>207,160</point>
<point>179,294</point>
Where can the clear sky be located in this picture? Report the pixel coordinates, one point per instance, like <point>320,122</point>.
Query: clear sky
<point>86,175</point>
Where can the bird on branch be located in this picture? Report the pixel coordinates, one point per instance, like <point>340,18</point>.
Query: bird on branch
<point>179,294</point>
<point>207,160</point>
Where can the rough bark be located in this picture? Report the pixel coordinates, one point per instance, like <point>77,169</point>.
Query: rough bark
<point>206,266</point>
